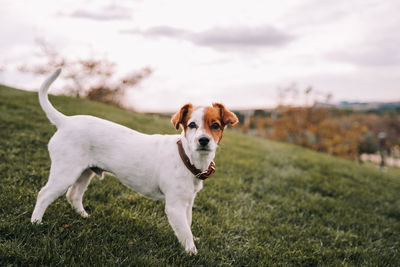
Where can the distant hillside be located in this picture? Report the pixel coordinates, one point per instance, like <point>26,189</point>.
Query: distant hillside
<point>364,106</point>
<point>268,204</point>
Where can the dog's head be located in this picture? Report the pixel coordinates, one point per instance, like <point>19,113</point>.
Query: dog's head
<point>203,126</point>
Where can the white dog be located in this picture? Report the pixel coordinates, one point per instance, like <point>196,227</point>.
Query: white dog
<point>169,167</point>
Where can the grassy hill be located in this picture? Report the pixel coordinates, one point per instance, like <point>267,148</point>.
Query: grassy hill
<point>268,203</point>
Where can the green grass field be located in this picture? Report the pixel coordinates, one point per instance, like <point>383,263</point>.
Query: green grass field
<point>268,204</point>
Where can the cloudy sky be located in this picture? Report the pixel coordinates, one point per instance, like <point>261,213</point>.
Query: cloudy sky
<point>236,52</point>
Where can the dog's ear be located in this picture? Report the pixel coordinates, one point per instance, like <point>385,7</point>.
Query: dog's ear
<point>227,116</point>
<point>181,116</point>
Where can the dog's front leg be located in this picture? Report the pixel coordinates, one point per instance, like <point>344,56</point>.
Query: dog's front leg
<point>176,210</point>
<point>189,212</point>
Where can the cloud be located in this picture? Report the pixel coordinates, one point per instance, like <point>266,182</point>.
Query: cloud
<point>165,31</point>
<point>372,56</point>
<point>106,13</point>
<point>232,37</point>
<point>380,48</point>
<point>238,37</point>
<point>366,39</point>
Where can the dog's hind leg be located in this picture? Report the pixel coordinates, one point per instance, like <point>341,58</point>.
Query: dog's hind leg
<point>76,191</point>
<point>61,177</point>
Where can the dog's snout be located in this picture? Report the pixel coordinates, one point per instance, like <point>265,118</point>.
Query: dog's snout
<point>204,141</point>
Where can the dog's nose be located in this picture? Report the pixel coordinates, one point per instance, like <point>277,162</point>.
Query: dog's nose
<point>204,141</point>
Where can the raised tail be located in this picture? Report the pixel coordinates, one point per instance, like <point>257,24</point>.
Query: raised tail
<point>52,114</point>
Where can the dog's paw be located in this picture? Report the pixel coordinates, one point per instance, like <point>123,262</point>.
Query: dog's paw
<point>191,250</point>
<point>84,214</point>
<point>36,221</point>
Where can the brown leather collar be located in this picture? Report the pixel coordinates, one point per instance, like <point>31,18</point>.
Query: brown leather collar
<point>196,172</point>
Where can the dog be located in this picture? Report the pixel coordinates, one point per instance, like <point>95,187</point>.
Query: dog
<point>162,167</point>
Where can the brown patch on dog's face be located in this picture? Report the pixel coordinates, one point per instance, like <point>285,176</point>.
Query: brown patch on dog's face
<point>212,123</point>
<point>216,118</point>
<point>182,116</point>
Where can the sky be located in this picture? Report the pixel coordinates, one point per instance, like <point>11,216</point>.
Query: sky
<point>235,52</point>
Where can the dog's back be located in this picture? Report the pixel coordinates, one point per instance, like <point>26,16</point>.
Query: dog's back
<point>108,146</point>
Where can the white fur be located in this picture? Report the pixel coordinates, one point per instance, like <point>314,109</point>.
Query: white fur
<point>202,158</point>
<point>149,164</point>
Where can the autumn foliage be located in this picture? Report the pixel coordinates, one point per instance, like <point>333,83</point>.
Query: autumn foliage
<point>337,132</point>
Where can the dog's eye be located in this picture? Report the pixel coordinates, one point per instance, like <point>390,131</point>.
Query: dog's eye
<point>215,126</point>
<point>192,125</point>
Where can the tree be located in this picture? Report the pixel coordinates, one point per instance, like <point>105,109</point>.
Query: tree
<point>87,78</point>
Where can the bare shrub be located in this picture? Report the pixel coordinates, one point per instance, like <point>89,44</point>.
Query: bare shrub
<point>89,78</point>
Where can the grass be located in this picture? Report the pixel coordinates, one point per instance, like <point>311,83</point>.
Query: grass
<point>268,203</point>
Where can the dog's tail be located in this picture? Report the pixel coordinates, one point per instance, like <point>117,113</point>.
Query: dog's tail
<point>52,114</point>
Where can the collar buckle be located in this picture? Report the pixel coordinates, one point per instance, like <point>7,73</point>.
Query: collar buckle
<point>207,173</point>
